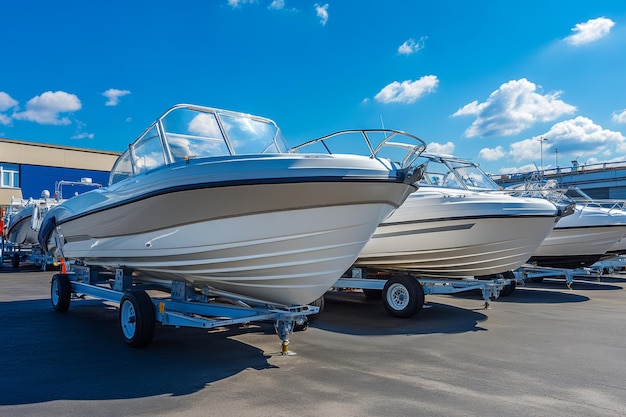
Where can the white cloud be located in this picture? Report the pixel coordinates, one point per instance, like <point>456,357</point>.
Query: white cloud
<point>407,91</point>
<point>277,4</point>
<point>47,108</point>
<point>411,46</point>
<point>515,170</point>
<point>512,108</point>
<point>6,101</point>
<point>575,137</point>
<point>593,160</point>
<point>83,136</point>
<point>113,95</point>
<point>620,117</point>
<point>583,136</point>
<point>322,13</point>
<point>237,3</point>
<point>528,149</point>
<point>591,30</point>
<point>441,149</point>
<point>492,154</point>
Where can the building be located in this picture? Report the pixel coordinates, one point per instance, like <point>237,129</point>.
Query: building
<point>606,180</point>
<point>28,168</point>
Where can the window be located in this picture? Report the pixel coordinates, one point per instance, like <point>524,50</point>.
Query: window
<point>192,134</point>
<point>9,175</point>
<point>148,152</point>
<point>122,169</point>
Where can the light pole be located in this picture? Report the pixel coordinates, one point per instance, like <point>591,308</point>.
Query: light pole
<point>541,139</point>
<point>556,156</point>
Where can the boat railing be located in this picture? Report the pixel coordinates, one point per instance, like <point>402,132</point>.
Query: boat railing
<point>549,190</point>
<point>611,205</point>
<point>583,200</point>
<point>84,182</point>
<point>409,146</point>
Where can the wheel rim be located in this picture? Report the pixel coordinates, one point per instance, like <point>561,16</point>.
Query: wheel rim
<point>55,292</point>
<point>128,319</point>
<point>397,296</point>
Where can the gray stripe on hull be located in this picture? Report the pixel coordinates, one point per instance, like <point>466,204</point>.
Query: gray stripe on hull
<point>423,231</point>
<point>201,205</point>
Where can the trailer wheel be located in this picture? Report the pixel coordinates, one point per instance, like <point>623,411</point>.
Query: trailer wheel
<point>60,292</point>
<point>15,260</point>
<point>311,317</point>
<point>371,294</point>
<point>403,296</point>
<point>137,318</point>
<point>508,288</point>
<point>317,303</point>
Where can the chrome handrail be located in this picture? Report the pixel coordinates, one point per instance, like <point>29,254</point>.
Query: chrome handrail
<point>413,151</point>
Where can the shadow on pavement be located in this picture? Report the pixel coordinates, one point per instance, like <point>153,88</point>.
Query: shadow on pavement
<point>579,283</point>
<point>352,313</point>
<point>79,355</point>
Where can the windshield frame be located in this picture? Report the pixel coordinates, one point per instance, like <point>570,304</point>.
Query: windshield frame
<point>215,133</point>
<point>454,178</point>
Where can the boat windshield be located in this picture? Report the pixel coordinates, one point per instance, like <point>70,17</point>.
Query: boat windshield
<point>577,194</point>
<point>188,132</point>
<point>455,173</point>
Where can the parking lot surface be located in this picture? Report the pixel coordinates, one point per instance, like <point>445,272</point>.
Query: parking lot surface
<point>545,350</point>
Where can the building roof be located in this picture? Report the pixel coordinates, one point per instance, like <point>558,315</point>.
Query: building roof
<point>34,153</point>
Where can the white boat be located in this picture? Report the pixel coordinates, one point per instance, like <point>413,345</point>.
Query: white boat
<point>618,248</point>
<point>217,199</point>
<point>459,224</point>
<point>578,195</point>
<point>581,239</point>
<point>24,216</point>
<point>22,227</point>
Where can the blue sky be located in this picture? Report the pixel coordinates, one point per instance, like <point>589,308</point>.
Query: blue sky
<point>484,80</point>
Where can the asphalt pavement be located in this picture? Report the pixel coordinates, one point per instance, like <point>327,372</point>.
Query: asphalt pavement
<point>545,350</point>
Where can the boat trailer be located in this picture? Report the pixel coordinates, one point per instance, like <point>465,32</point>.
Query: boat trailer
<point>609,266</point>
<point>175,303</point>
<point>403,294</point>
<point>16,254</point>
<point>538,273</point>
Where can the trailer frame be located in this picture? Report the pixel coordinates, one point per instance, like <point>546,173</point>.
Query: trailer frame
<point>176,303</point>
<point>403,292</point>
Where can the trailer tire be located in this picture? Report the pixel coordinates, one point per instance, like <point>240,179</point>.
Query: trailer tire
<point>311,317</point>
<point>60,292</point>
<point>371,294</point>
<point>508,288</point>
<point>317,303</point>
<point>137,318</point>
<point>403,296</point>
<point>15,260</point>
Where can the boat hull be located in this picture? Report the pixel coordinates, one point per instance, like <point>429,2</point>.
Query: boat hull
<point>618,248</point>
<point>283,241</point>
<point>456,233</point>
<point>19,230</point>
<point>577,247</point>
<point>581,239</point>
<point>261,256</point>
